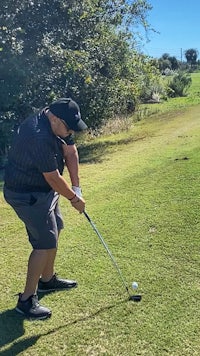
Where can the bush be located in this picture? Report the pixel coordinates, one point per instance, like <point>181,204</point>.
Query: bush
<point>179,84</point>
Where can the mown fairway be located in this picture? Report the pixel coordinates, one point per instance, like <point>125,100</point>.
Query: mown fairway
<point>142,190</point>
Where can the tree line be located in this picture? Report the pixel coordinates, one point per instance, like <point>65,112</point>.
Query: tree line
<point>171,62</point>
<point>83,49</point>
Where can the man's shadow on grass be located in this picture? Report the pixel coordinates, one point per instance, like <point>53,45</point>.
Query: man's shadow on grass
<point>12,328</point>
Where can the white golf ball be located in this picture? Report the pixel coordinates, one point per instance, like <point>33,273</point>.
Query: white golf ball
<point>134,285</point>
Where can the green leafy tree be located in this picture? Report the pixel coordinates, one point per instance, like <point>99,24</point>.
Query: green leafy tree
<point>174,62</point>
<point>191,56</point>
<point>77,48</point>
<point>168,62</point>
<point>165,56</point>
<point>164,64</point>
<point>43,34</point>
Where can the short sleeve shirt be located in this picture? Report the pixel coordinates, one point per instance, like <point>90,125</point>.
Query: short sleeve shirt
<point>35,150</point>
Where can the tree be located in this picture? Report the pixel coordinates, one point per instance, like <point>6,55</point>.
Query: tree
<point>164,64</point>
<point>165,56</point>
<point>191,56</point>
<point>174,62</point>
<point>42,35</point>
<point>168,62</point>
<point>78,48</point>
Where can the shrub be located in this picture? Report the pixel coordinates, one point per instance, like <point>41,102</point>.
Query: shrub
<point>179,84</point>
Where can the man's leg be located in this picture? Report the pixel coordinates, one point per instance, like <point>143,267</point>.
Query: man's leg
<point>28,304</point>
<point>48,270</point>
<point>49,281</point>
<point>36,264</point>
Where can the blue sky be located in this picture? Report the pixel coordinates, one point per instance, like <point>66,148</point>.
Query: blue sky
<point>177,22</point>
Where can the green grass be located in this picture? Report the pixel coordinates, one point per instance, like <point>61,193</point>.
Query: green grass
<point>142,191</point>
<point>175,104</point>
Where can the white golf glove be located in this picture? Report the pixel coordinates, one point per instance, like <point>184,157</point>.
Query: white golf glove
<point>77,191</point>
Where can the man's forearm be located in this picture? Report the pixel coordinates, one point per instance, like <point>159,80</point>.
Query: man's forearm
<point>59,184</point>
<point>72,164</point>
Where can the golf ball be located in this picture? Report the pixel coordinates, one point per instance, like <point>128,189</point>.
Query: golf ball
<point>134,285</point>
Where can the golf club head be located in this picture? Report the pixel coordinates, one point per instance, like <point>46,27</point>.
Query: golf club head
<point>135,298</point>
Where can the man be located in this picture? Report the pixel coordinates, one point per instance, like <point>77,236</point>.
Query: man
<point>41,147</point>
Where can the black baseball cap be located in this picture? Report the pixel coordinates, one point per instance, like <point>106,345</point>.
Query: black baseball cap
<point>69,111</point>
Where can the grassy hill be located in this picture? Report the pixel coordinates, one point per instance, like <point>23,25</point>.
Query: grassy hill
<point>142,191</point>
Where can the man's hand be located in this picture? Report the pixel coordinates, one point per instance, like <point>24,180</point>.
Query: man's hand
<point>59,184</point>
<point>78,203</point>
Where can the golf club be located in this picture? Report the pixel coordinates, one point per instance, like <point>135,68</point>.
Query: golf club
<point>135,298</point>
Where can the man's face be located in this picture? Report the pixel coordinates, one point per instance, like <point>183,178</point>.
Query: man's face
<point>60,128</point>
<point>69,131</point>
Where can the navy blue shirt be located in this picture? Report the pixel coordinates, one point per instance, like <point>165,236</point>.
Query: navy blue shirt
<point>34,151</point>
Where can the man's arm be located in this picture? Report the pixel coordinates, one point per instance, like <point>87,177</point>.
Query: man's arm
<point>72,162</point>
<point>59,184</point>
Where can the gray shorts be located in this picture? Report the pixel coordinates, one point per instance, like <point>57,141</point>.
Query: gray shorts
<point>41,215</point>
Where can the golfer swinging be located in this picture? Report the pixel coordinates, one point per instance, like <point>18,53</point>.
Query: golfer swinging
<point>42,145</point>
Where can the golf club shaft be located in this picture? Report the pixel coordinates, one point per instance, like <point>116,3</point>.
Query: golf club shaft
<point>108,251</point>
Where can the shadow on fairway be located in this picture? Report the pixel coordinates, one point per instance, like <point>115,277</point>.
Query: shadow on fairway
<point>12,328</point>
<point>95,152</point>
<point>92,152</point>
